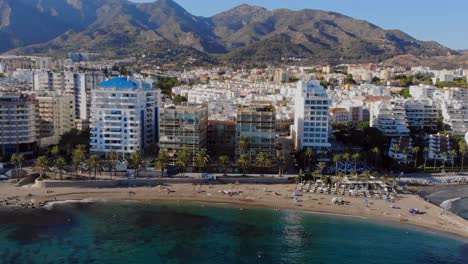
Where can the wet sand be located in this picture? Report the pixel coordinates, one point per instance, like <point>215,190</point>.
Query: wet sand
<point>249,195</point>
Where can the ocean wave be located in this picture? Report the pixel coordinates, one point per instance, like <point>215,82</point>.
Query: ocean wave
<point>447,204</point>
<point>50,205</point>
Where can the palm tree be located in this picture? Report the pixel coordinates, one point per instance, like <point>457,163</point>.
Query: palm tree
<point>425,152</point>
<point>93,165</point>
<point>322,165</point>
<point>376,152</point>
<point>336,159</point>
<point>244,162</point>
<point>315,174</point>
<point>415,152</point>
<point>244,145</point>
<point>202,159</point>
<point>183,159</point>
<point>309,153</point>
<point>162,161</point>
<point>224,163</point>
<point>17,160</point>
<point>356,157</point>
<point>453,153</point>
<point>55,151</point>
<point>366,176</point>
<point>41,164</point>
<point>263,161</point>
<point>136,161</point>
<point>395,149</point>
<point>281,164</point>
<point>436,153</point>
<point>346,158</point>
<point>113,158</point>
<point>78,157</point>
<point>462,150</point>
<point>60,164</point>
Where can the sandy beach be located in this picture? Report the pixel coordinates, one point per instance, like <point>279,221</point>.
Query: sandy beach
<point>250,195</point>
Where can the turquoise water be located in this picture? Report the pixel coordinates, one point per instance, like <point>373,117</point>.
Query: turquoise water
<point>131,232</point>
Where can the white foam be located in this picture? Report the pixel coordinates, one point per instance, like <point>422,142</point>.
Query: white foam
<point>50,205</point>
<point>447,204</point>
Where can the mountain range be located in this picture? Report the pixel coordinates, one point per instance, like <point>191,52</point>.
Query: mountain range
<point>165,30</point>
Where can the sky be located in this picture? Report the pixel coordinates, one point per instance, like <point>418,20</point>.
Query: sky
<point>445,21</point>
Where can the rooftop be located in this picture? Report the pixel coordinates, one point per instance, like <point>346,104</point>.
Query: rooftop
<point>124,83</point>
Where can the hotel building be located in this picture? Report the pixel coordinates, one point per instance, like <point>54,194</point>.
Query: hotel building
<point>124,116</point>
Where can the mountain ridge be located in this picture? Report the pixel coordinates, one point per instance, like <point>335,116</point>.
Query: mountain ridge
<point>242,34</point>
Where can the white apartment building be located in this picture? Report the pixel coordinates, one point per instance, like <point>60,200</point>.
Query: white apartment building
<point>57,116</point>
<point>401,149</point>
<point>19,131</point>
<point>440,147</point>
<point>422,113</point>
<point>124,116</point>
<point>422,91</point>
<point>311,120</point>
<point>390,118</point>
<point>455,115</point>
<point>85,83</point>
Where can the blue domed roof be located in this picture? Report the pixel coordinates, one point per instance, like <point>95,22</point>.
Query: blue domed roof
<point>124,83</point>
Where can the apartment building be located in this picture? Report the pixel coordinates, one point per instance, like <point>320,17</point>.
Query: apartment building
<point>423,113</point>
<point>440,147</point>
<point>390,118</point>
<point>124,116</point>
<point>257,124</point>
<point>311,120</point>
<point>19,130</point>
<point>183,127</point>
<point>56,117</point>
<point>221,138</point>
<point>85,83</point>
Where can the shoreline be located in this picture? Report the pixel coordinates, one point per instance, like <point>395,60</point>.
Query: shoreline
<point>434,218</point>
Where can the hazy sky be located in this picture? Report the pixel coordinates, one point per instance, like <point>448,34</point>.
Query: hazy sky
<point>445,21</point>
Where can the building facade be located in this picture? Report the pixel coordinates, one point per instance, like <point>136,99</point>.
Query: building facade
<point>19,130</point>
<point>124,116</point>
<point>311,120</point>
<point>56,117</point>
<point>257,124</point>
<point>183,127</point>
<point>222,138</point>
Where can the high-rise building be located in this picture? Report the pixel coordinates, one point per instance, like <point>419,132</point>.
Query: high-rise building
<point>183,127</point>
<point>124,116</point>
<point>57,116</point>
<point>85,83</point>
<point>18,124</point>
<point>390,118</point>
<point>257,124</point>
<point>222,137</point>
<point>311,120</point>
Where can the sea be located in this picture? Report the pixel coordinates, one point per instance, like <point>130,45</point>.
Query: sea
<point>135,232</point>
<point>450,197</point>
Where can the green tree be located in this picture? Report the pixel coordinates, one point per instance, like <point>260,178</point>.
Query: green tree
<point>376,152</point>
<point>202,159</point>
<point>463,151</point>
<point>93,164</point>
<point>425,153</point>
<point>223,163</point>
<point>336,160</point>
<point>113,158</point>
<point>244,145</point>
<point>41,165</point>
<point>60,164</point>
<point>136,162</point>
<point>453,153</point>
<point>356,157</point>
<point>309,153</point>
<point>416,151</point>
<point>281,164</point>
<point>183,159</point>
<point>17,160</point>
<point>55,151</point>
<point>162,161</point>
<point>244,162</point>
<point>322,165</point>
<point>263,161</point>
<point>346,159</point>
